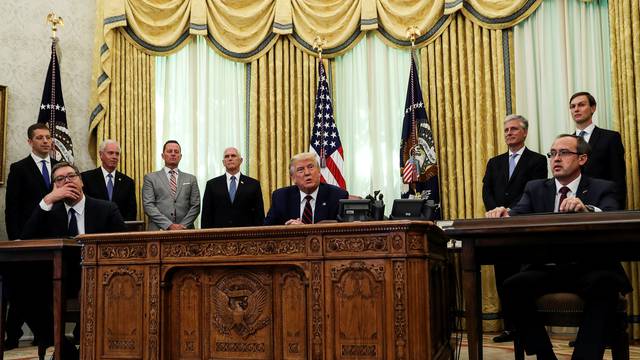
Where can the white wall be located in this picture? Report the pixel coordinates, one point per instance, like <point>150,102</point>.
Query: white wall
<point>25,50</point>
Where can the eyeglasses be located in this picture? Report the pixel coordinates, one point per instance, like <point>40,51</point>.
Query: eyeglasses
<point>562,153</point>
<point>62,178</point>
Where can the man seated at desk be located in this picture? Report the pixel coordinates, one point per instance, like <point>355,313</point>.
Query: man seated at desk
<point>598,282</point>
<point>307,201</point>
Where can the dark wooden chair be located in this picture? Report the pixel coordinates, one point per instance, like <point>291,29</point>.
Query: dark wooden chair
<point>565,309</point>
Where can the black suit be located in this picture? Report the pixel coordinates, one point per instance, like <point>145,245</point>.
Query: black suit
<point>606,160</point>
<point>247,208</point>
<point>285,204</point>
<point>598,281</point>
<point>124,191</point>
<point>99,217</point>
<point>498,189</point>
<point>25,189</point>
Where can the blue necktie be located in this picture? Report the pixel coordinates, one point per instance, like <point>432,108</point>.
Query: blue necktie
<point>110,186</point>
<point>73,223</point>
<point>582,133</point>
<point>45,174</point>
<point>232,188</point>
<point>512,163</point>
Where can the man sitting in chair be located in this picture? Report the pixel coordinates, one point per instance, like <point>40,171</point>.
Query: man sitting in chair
<point>598,282</point>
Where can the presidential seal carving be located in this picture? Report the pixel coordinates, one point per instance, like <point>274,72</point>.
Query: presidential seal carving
<point>241,305</point>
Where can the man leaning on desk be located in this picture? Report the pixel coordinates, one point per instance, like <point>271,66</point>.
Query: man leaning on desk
<point>598,282</point>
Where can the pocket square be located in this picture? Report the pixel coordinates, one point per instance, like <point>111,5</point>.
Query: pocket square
<point>188,183</point>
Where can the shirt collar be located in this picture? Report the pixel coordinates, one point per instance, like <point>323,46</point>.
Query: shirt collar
<point>166,171</point>
<point>519,152</point>
<point>38,159</point>
<point>588,130</point>
<point>78,207</point>
<point>314,194</point>
<point>105,172</point>
<point>573,186</point>
<point>237,175</point>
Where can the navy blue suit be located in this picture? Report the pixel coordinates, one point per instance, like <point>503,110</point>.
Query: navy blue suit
<point>606,160</point>
<point>285,204</point>
<point>598,281</point>
<point>247,208</point>
<point>124,191</point>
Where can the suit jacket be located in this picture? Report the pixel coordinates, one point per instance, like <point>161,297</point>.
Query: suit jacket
<point>25,189</point>
<point>606,160</point>
<point>99,217</point>
<point>160,206</point>
<point>247,208</point>
<point>124,191</point>
<point>285,204</point>
<point>500,190</point>
<point>539,196</point>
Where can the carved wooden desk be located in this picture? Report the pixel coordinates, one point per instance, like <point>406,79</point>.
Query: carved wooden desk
<point>57,251</point>
<point>538,239</point>
<point>374,290</point>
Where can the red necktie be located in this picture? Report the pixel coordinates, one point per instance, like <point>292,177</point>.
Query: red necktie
<point>307,214</point>
<point>563,195</point>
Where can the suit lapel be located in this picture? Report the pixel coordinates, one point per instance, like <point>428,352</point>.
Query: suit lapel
<point>116,184</point>
<point>37,172</point>
<point>521,163</point>
<point>294,203</point>
<point>583,189</point>
<point>549,195</point>
<point>595,137</point>
<point>162,176</point>
<point>321,211</point>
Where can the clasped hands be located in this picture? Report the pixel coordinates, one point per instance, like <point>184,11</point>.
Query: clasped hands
<point>572,204</point>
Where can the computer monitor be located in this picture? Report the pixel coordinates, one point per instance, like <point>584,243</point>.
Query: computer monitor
<point>354,210</point>
<point>413,209</point>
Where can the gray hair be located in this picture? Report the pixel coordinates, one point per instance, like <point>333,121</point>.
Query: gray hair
<point>106,142</point>
<point>524,122</point>
<point>234,148</point>
<point>302,156</point>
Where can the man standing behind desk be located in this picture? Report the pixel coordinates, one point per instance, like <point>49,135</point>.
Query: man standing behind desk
<point>106,183</point>
<point>307,201</point>
<point>598,282</point>
<point>606,159</point>
<point>28,182</point>
<point>503,183</point>
<point>232,199</point>
<point>171,198</point>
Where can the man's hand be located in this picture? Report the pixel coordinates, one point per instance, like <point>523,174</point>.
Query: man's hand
<point>177,227</point>
<point>69,192</point>
<point>294,222</point>
<point>497,212</point>
<point>573,204</point>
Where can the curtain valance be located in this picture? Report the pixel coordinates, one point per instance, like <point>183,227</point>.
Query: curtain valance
<point>246,29</point>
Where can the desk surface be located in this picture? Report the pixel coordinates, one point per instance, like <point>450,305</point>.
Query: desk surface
<point>533,238</point>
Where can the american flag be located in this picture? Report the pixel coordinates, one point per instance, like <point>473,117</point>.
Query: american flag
<point>325,140</point>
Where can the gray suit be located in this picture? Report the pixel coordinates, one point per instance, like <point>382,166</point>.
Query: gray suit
<point>162,209</point>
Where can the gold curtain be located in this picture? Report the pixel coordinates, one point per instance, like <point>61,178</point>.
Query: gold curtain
<point>282,99</point>
<point>624,20</point>
<point>130,117</point>
<point>467,83</point>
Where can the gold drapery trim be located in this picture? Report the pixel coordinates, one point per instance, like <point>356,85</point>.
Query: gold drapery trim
<point>282,100</point>
<point>130,116</point>
<point>467,84</point>
<point>624,25</point>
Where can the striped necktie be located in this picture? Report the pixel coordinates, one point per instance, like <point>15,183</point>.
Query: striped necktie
<point>172,183</point>
<point>307,214</point>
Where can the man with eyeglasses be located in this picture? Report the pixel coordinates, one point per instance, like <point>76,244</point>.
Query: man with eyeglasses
<point>65,212</point>
<point>598,282</point>
<point>502,185</point>
<point>606,160</point>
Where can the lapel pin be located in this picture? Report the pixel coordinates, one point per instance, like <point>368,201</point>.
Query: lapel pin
<point>324,204</point>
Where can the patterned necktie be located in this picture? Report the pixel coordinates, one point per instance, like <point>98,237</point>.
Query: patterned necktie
<point>45,174</point>
<point>110,186</point>
<point>73,223</point>
<point>563,195</point>
<point>582,133</point>
<point>307,214</point>
<point>512,163</point>
<point>172,183</point>
<point>232,189</point>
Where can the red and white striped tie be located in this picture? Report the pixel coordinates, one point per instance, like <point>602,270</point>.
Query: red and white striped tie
<point>172,183</point>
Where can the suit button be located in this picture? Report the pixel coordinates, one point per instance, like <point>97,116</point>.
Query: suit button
<point>506,194</point>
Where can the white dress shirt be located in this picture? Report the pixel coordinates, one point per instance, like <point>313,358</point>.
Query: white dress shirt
<point>303,201</point>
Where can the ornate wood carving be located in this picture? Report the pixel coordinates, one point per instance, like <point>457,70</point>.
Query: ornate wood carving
<point>122,270</point>
<point>397,242</point>
<point>294,316</point>
<point>154,311</point>
<point>315,244</point>
<point>123,251</point>
<point>235,248</point>
<point>316,310</point>
<point>88,252</point>
<point>153,250</point>
<point>356,244</point>
<point>89,314</point>
<point>399,307</point>
<point>375,269</point>
<point>416,241</point>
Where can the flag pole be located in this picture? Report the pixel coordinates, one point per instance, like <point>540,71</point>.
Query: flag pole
<point>318,43</point>
<point>412,34</point>
<point>54,21</point>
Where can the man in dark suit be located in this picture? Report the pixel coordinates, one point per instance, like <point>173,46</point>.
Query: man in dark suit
<point>232,199</point>
<point>598,282</point>
<point>27,183</point>
<point>606,159</point>
<point>503,183</point>
<point>106,183</point>
<point>307,201</point>
<point>63,212</point>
